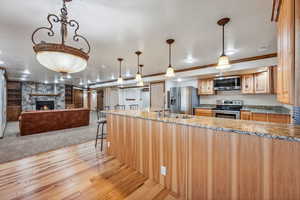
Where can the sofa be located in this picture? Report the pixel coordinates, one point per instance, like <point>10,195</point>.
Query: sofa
<point>34,122</point>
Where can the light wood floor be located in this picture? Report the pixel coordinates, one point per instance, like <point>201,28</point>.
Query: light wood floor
<point>76,172</point>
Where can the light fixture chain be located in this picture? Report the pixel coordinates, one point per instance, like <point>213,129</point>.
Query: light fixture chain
<point>223,40</point>
<point>170,55</point>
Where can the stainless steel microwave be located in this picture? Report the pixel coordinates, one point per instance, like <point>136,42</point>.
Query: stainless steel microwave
<point>227,83</point>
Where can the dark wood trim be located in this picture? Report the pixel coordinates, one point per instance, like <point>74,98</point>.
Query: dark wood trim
<point>272,55</point>
<point>276,10</point>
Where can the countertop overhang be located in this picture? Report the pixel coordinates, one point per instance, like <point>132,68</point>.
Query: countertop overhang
<point>287,132</point>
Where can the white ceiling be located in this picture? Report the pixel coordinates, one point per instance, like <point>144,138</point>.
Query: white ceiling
<point>119,28</point>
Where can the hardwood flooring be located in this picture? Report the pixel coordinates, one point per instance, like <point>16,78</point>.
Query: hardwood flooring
<point>75,172</point>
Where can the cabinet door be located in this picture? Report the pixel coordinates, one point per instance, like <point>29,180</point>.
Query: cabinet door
<point>286,52</point>
<point>277,118</point>
<point>248,84</point>
<point>203,112</point>
<point>246,115</point>
<point>262,82</point>
<point>210,86</point>
<point>260,117</point>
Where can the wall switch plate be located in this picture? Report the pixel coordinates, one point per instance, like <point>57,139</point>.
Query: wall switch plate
<point>163,170</point>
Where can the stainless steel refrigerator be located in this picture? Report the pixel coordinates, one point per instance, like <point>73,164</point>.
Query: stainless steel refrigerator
<point>183,99</point>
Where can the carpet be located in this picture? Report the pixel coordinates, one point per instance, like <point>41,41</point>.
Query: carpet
<point>13,146</point>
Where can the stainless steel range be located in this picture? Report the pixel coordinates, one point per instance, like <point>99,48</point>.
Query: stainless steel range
<point>228,109</point>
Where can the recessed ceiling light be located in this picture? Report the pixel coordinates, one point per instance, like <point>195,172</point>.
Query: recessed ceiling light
<point>1,62</point>
<point>230,52</point>
<point>46,82</point>
<point>61,78</point>
<point>112,77</point>
<point>81,83</point>
<point>55,81</point>
<point>98,79</point>
<point>190,59</point>
<point>69,76</point>
<point>179,80</point>
<point>88,81</point>
<point>26,71</point>
<point>128,74</point>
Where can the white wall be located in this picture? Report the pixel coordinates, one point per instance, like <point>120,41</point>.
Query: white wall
<point>85,98</point>
<point>94,100</point>
<point>253,99</point>
<point>141,98</point>
<point>248,99</point>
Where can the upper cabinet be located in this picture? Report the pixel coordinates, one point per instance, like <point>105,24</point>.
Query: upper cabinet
<point>248,84</point>
<point>206,87</point>
<point>258,83</point>
<point>286,52</point>
<point>262,83</point>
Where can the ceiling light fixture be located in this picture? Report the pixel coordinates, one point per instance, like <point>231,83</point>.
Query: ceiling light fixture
<point>141,82</point>
<point>223,62</point>
<point>46,82</point>
<point>80,83</point>
<point>170,70</point>
<point>138,76</point>
<point>120,79</point>
<point>60,57</point>
<point>26,71</point>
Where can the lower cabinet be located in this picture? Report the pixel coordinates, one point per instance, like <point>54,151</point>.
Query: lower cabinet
<point>204,112</point>
<point>245,115</point>
<point>265,117</point>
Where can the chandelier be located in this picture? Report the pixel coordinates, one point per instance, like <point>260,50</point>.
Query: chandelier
<point>60,57</point>
<point>223,62</point>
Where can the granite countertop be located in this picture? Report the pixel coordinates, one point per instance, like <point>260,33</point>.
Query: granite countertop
<point>287,132</point>
<point>255,109</point>
<point>267,109</point>
<point>206,106</point>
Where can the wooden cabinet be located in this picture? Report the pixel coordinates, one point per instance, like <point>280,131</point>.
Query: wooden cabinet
<point>14,100</point>
<point>263,117</point>
<point>248,84</point>
<point>286,52</point>
<point>266,117</point>
<point>246,115</point>
<point>276,118</point>
<point>204,112</point>
<point>206,87</point>
<point>258,83</point>
<point>262,83</point>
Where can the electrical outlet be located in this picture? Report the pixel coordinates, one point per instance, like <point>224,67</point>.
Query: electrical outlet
<point>108,144</point>
<point>163,170</point>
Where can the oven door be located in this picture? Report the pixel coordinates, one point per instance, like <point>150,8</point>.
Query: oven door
<point>228,116</point>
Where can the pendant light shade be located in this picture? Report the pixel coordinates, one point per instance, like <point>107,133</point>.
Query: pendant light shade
<point>141,82</point>
<point>61,57</point>
<point>138,76</point>
<point>120,79</point>
<point>223,62</point>
<point>170,70</point>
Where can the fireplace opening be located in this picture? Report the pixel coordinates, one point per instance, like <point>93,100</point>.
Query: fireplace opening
<point>45,105</point>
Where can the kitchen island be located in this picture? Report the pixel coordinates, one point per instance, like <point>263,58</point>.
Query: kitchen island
<point>209,158</point>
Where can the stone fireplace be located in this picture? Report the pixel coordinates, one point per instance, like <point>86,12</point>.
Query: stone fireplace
<point>30,102</point>
<point>44,105</point>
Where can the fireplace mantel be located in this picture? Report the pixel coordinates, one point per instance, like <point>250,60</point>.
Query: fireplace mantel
<point>40,94</point>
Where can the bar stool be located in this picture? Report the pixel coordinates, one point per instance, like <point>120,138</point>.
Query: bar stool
<point>100,122</point>
<point>134,107</point>
<point>119,107</point>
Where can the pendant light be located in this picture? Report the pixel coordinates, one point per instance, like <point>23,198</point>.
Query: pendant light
<point>170,70</point>
<point>120,79</point>
<point>138,76</point>
<point>60,57</point>
<point>223,62</point>
<point>141,82</point>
